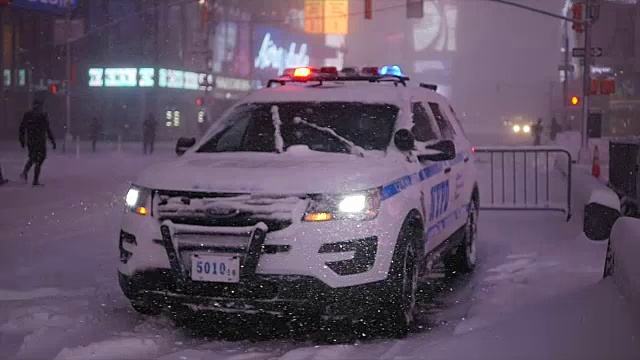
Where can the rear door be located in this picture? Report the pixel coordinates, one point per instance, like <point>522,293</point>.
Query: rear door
<point>464,188</point>
<point>454,217</point>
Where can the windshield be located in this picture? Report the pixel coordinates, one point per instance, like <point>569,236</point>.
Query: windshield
<point>322,126</point>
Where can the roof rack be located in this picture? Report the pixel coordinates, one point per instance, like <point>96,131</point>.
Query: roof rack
<point>320,78</point>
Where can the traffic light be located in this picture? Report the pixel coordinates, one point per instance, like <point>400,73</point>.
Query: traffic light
<point>575,100</point>
<point>576,12</point>
<point>53,88</point>
<point>199,101</point>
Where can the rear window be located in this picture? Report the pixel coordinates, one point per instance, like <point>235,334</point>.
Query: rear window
<point>252,127</point>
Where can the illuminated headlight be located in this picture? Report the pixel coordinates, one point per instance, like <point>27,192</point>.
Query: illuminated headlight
<point>138,200</point>
<point>526,128</point>
<point>358,206</point>
<point>516,128</point>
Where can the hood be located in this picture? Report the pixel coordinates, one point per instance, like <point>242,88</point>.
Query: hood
<point>271,173</point>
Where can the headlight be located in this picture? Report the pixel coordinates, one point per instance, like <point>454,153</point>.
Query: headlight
<point>359,206</point>
<point>137,200</point>
<point>526,128</point>
<point>516,128</point>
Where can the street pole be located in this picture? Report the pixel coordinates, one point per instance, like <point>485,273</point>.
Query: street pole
<point>67,93</point>
<point>586,87</point>
<point>565,85</point>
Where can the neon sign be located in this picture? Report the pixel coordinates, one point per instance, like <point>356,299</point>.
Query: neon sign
<point>272,56</point>
<point>121,77</point>
<point>146,77</point>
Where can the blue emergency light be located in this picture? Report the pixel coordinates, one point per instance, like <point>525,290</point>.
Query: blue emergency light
<point>391,70</point>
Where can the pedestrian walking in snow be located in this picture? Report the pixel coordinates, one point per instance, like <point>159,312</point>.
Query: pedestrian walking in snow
<point>554,130</point>
<point>94,131</point>
<point>34,131</point>
<point>149,133</point>
<point>2,179</point>
<point>537,132</point>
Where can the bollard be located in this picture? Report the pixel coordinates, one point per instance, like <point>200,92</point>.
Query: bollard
<point>77,147</point>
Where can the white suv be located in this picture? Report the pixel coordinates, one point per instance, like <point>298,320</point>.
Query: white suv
<point>329,194</point>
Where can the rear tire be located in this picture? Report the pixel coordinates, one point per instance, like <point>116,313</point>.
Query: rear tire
<point>463,259</point>
<point>609,263</point>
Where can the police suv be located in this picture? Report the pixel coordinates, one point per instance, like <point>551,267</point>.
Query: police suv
<point>330,193</point>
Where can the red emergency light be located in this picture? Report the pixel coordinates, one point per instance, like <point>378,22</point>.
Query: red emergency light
<point>332,70</point>
<point>370,71</point>
<point>302,72</point>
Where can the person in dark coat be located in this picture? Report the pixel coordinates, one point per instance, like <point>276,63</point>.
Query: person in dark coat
<point>555,129</point>
<point>537,132</point>
<point>34,131</point>
<point>2,179</point>
<point>149,133</point>
<point>94,131</point>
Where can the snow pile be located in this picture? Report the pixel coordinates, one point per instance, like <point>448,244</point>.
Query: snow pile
<point>585,189</point>
<point>118,349</point>
<point>193,354</point>
<point>625,245</point>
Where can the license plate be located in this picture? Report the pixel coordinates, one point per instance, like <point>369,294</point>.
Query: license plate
<point>215,268</point>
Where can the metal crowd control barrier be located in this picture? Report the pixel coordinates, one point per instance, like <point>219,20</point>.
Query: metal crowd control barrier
<point>525,201</point>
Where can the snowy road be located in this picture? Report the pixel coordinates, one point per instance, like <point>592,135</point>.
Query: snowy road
<point>59,297</point>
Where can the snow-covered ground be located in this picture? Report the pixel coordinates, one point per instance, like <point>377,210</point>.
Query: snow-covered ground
<point>59,297</point>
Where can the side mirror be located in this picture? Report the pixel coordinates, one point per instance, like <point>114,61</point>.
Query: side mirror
<point>184,144</point>
<point>404,140</point>
<point>446,151</point>
<point>599,220</point>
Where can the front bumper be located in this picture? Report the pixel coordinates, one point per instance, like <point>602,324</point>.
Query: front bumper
<point>264,294</point>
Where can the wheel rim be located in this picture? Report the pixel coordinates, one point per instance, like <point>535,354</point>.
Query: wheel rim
<point>470,238</point>
<point>409,284</point>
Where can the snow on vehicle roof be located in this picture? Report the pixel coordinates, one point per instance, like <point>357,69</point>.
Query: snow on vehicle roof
<point>348,92</point>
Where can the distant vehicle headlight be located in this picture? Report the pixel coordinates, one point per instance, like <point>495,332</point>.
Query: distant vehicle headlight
<point>516,128</point>
<point>526,128</point>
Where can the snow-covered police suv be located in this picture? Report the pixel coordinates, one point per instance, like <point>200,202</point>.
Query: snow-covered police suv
<point>325,193</point>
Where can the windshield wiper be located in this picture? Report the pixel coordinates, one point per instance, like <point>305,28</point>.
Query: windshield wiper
<point>353,148</point>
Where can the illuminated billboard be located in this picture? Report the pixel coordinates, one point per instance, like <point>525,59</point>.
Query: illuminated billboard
<point>326,16</point>
<point>275,49</point>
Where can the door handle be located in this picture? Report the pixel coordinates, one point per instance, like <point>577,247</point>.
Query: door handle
<point>466,159</point>
<point>447,170</point>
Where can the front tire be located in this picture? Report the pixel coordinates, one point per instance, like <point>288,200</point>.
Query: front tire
<point>464,257</point>
<point>404,283</point>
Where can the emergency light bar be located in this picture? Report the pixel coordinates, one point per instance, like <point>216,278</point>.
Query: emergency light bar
<point>331,73</point>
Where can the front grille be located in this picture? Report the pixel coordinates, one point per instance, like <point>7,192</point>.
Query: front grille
<point>225,209</point>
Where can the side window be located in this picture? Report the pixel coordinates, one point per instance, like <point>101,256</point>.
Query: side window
<point>455,118</point>
<point>443,123</point>
<point>422,125</point>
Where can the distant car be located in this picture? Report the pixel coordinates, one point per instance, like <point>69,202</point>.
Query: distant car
<point>519,127</point>
<point>329,194</point>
